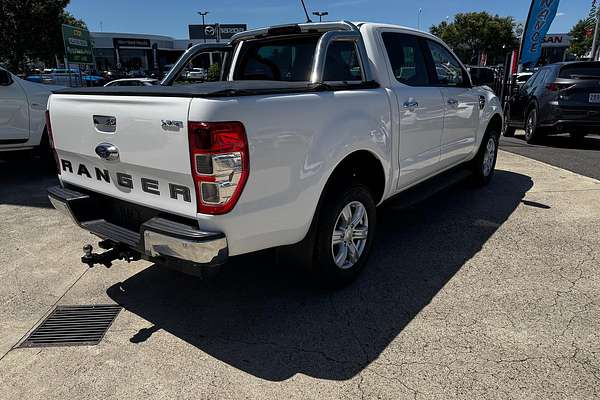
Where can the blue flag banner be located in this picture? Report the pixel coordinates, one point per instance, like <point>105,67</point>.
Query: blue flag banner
<point>541,15</point>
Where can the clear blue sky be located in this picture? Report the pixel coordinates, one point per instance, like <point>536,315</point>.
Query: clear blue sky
<point>172,17</point>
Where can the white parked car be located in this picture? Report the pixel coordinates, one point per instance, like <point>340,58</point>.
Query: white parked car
<point>133,82</point>
<point>313,127</point>
<point>22,108</point>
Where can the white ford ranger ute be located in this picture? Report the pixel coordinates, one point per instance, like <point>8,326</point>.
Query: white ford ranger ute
<point>309,128</point>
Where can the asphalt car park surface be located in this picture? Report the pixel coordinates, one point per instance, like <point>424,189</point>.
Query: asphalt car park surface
<point>471,293</point>
<point>560,150</point>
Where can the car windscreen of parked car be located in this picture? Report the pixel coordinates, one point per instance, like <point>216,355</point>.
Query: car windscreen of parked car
<point>580,71</point>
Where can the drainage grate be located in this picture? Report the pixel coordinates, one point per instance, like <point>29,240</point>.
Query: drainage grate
<point>73,326</point>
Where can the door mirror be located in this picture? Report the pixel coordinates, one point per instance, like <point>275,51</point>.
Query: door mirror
<point>482,76</point>
<point>5,78</point>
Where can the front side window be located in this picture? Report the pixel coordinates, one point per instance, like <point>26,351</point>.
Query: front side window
<point>406,58</point>
<point>342,63</point>
<point>448,70</point>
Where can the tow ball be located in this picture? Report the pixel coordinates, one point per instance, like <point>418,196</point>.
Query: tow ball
<point>114,251</point>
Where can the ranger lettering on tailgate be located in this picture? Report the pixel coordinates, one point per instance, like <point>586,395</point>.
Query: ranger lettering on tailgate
<point>125,180</point>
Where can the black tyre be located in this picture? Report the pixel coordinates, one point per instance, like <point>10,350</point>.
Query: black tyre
<point>484,163</point>
<point>343,235</point>
<point>507,131</point>
<point>532,131</point>
<point>46,155</point>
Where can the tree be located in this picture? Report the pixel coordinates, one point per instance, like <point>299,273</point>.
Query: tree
<point>31,30</point>
<point>471,34</point>
<point>581,38</point>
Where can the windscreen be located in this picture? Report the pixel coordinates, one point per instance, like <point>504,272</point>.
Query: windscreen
<point>580,71</point>
<point>282,59</point>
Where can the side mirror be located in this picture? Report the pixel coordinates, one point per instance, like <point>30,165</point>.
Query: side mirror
<point>479,78</point>
<point>5,78</point>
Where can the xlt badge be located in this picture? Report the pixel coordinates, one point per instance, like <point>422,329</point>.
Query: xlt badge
<point>169,125</point>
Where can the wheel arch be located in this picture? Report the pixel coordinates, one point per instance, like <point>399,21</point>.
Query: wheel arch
<point>363,166</point>
<point>343,172</point>
<point>533,103</point>
<point>495,123</point>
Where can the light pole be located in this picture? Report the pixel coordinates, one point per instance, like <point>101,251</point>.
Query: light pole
<point>320,14</point>
<point>203,13</point>
<point>595,40</point>
<point>419,19</point>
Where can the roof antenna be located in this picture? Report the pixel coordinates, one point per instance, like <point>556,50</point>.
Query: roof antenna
<point>305,12</point>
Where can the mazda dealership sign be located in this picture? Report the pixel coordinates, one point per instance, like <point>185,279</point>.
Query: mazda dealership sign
<point>216,31</point>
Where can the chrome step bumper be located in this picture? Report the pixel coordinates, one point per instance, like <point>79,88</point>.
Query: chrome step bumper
<point>157,237</point>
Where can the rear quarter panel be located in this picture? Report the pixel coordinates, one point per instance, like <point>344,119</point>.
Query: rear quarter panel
<point>295,142</point>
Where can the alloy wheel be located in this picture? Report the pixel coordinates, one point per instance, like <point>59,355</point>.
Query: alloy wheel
<point>505,121</point>
<point>489,156</point>
<point>350,234</point>
<point>530,125</point>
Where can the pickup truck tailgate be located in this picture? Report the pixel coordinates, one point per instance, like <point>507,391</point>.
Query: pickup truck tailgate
<point>150,136</point>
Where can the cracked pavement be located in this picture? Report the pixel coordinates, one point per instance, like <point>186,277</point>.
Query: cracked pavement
<point>473,293</point>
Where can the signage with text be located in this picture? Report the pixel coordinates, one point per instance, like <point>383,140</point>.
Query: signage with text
<point>557,40</point>
<point>216,31</point>
<point>541,15</point>
<point>130,42</point>
<point>79,48</point>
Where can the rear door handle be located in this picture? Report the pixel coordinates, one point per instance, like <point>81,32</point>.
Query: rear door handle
<point>452,102</point>
<point>411,104</point>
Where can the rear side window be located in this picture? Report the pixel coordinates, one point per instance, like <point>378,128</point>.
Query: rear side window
<point>580,71</point>
<point>342,63</point>
<point>406,58</point>
<point>287,59</point>
<point>447,68</point>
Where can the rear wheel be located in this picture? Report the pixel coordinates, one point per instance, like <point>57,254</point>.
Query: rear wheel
<point>344,235</point>
<point>507,130</point>
<point>532,131</point>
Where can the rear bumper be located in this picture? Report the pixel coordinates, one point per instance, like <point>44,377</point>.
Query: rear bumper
<point>567,125</point>
<point>157,237</point>
<point>561,118</point>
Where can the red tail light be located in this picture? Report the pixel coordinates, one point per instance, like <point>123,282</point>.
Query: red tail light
<point>557,87</point>
<point>51,141</point>
<point>220,167</point>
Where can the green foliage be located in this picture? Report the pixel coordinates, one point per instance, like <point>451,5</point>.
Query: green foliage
<point>214,73</point>
<point>472,33</point>
<point>31,30</point>
<point>582,37</point>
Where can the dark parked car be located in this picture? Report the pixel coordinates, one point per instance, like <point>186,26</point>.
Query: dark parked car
<point>558,98</point>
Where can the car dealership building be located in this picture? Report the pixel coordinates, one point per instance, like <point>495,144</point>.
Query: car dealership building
<point>141,52</point>
<point>555,48</point>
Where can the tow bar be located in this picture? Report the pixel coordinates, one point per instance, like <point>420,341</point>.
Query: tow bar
<point>114,251</point>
